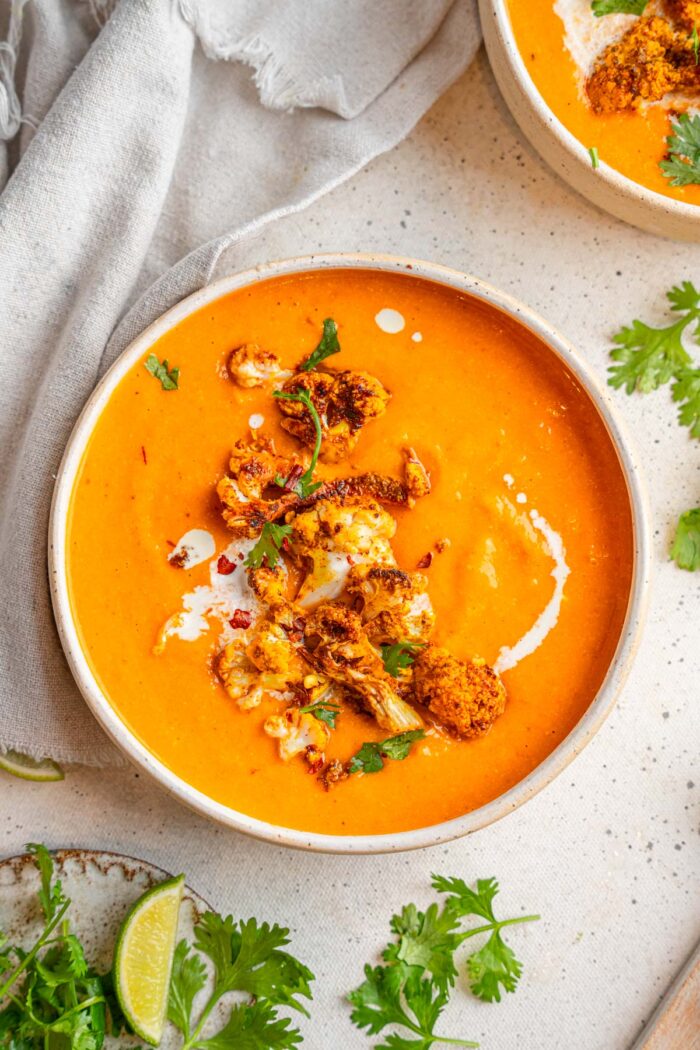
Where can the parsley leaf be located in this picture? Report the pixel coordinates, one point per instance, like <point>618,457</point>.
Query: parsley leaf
<point>323,711</point>
<point>370,757</point>
<point>682,166</point>
<point>618,7</point>
<point>305,485</point>
<point>686,389</point>
<point>169,377</point>
<point>399,656</point>
<point>494,965</point>
<point>685,549</point>
<point>268,546</point>
<point>650,357</point>
<point>328,346</point>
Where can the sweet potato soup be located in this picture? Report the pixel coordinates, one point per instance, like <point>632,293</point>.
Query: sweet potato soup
<point>616,82</point>
<point>349,551</point>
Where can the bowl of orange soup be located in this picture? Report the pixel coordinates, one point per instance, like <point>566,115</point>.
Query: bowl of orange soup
<point>608,99</point>
<point>372,553</point>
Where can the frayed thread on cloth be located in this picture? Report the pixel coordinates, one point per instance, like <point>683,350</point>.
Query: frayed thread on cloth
<point>277,87</point>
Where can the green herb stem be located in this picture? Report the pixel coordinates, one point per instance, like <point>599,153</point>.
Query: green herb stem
<point>496,926</point>
<point>32,954</point>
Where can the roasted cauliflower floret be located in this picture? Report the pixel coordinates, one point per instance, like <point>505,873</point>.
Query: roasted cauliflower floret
<point>249,365</point>
<point>330,536</point>
<point>267,663</point>
<point>394,605</point>
<point>466,696</point>
<point>345,402</point>
<point>239,676</point>
<point>270,586</point>
<point>247,493</point>
<point>686,12</point>
<point>417,477</point>
<point>651,59</point>
<point>299,733</point>
<point>276,657</point>
<point>340,649</point>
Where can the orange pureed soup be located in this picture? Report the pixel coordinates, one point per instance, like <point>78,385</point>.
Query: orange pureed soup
<point>633,141</point>
<point>526,486</point>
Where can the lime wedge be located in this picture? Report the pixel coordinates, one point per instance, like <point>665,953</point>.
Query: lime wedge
<point>30,768</point>
<point>143,958</point>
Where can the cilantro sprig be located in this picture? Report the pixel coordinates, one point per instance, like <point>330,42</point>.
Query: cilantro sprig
<point>618,7</point>
<point>323,710</point>
<point>682,165</point>
<point>650,357</point>
<point>412,987</point>
<point>248,957</point>
<point>169,377</point>
<point>327,346</point>
<point>306,485</point>
<point>370,757</point>
<point>267,549</point>
<point>399,656</point>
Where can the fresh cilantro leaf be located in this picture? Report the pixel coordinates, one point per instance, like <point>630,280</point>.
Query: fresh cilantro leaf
<point>370,757</point>
<point>595,159</point>
<point>268,546</point>
<point>650,357</point>
<point>254,1026</point>
<point>682,166</point>
<point>323,711</point>
<point>686,389</point>
<point>169,377</point>
<point>685,549</point>
<point>494,965</point>
<point>618,7</point>
<point>188,977</point>
<point>399,656</point>
<point>50,895</point>
<point>426,939</point>
<point>695,43</point>
<point>306,485</point>
<point>328,346</point>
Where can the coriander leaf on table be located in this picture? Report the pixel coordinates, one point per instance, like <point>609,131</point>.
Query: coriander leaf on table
<point>328,346</point>
<point>494,965</point>
<point>266,550</point>
<point>169,377</point>
<point>649,357</point>
<point>685,549</point>
<point>370,757</point>
<point>618,7</point>
<point>682,166</point>
<point>399,656</point>
<point>686,390</point>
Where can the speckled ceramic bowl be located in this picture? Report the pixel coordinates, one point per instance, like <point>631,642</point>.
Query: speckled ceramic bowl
<point>102,887</point>
<point>139,753</point>
<point>604,186</point>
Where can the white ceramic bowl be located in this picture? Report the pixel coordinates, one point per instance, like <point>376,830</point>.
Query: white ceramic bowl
<point>604,186</point>
<point>135,750</point>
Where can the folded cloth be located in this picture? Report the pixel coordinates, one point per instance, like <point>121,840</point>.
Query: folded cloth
<point>156,131</point>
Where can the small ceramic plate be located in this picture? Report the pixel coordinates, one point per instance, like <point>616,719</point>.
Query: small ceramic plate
<point>102,887</point>
<point>604,186</point>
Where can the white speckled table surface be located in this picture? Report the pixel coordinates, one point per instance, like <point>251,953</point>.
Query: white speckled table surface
<point>608,853</point>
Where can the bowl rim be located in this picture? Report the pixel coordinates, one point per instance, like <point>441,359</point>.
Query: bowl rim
<point>623,184</point>
<point>430,835</point>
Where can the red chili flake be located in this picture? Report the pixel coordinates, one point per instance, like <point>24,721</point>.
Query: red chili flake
<point>225,567</point>
<point>143,455</point>
<point>170,543</point>
<point>179,560</point>
<point>240,556</point>
<point>241,619</point>
<point>351,560</point>
<point>292,478</point>
<point>426,561</point>
<point>285,544</point>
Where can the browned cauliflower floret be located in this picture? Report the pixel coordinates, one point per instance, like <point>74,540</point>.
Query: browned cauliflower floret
<point>340,649</point>
<point>329,537</point>
<point>250,366</point>
<point>466,696</point>
<point>276,657</point>
<point>417,477</point>
<point>687,12</point>
<point>394,605</point>
<point>267,663</point>
<point>244,491</point>
<point>299,733</point>
<point>269,585</point>
<point>239,677</point>
<point>345,401</point>
<point>651,59</point>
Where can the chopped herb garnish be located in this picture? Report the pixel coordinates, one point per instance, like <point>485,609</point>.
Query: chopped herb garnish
<point>412,988</point>
<point>685,549</point>
<point>400,656</point>
<point>247,957</point>
<point>323,711</point>
<point>595,159</point>
<point>618,7</point>
<point>305,486</point>
<point>370,757</point>
<point>169,377</point>
<point>328,346</point>
<point>682,165</point>
<point>695,42</point>
<point>268,546</point>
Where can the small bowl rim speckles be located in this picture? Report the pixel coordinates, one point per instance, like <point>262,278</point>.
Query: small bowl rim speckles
<point>430,835</point>
<point>604,186</point>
